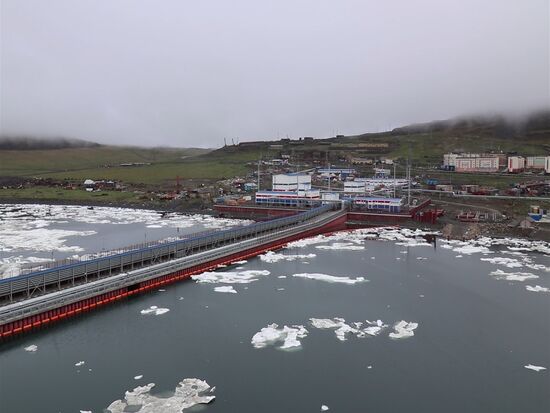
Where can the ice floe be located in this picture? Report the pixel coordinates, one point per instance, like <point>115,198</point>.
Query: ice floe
<point>354,240</point>
<point>241,262</point>
<point>342,329</point>
<point>138,377</point>
<point>272,257</point>
<point>229,277</point>
<point>534,368</point>
<point>504,261</point>
<point>403,329</point>
<point>79,363</point>
<point>341,246</point>
<point>272,334</point>
<point>324,408</point>
<point>36,229</point>
<point>225,289</point>
<point>154,310</point>
<point>537,289</point>
<point>513,276</point>
<point>32,348</point>
<point>189,392</point>
<point>330,278</point>
<point>512,245</point>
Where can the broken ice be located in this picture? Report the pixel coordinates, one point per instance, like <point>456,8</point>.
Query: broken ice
<point>330,278</point>
<point>189,392</point>
<point>154,310</point>
<point>403,329</point>
<point>225,289</point>
<point>272,334</point>
<point>273,257</point>
<point>341,329</point>
<point>229,277</point>
<point>535,368</point>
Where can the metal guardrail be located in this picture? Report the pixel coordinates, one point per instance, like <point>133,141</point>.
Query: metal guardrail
<point>87,271</point>
<point>30,268</point>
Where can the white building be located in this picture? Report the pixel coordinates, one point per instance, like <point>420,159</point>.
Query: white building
<point>330,196</point>
<point>535,162</point>
<point>291,182</point>
<point>477,164</point>
<point>382,204</point>
<point>288,198</point>
<point>375,183</point>
<point>355,187</point>
<point>471,162</point>
<point>516,163</point>
<point>89,185</point>
<point>449,159</point>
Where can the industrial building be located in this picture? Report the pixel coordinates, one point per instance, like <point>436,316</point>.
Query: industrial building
<point>305,198</point>
<point>379,203</point>
<point>293,189</point>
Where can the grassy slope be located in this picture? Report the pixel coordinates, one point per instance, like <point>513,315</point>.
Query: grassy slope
<point>426,148</point>
<point>97,163</point>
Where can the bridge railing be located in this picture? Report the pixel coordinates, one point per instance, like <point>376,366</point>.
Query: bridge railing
<point>40,280</point>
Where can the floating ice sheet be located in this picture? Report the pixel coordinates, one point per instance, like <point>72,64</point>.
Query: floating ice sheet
<point>79,363</point>
<point>341,246</point>
<point>342,329</point>
<point>535,368</point>
<point>225,289</point>
<point>272,334</point>
<point>154,310</point>
<point>189,392</point>
<point>504,261</point>
<point>230,277</point>
<point>32,348</point>
<point>537,289</point>
<point>34,227</point>
<point>342,240</point>
<point>403,329</point>
<point>513,276</point>
<point>482,245</point>
<point>330,278</point>
<point>273,257</point>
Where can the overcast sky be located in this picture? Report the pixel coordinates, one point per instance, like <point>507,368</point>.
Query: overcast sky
<point>189,73</point>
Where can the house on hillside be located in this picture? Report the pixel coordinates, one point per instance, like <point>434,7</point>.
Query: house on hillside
<point>89,185</point>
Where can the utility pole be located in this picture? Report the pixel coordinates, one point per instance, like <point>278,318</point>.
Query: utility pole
<point>409,176</point>
<point>328,166</point>
<point>394,180</point>
<point>259,162</point>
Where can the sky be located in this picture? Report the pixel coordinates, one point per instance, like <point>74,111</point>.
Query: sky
<point>191,73</point>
